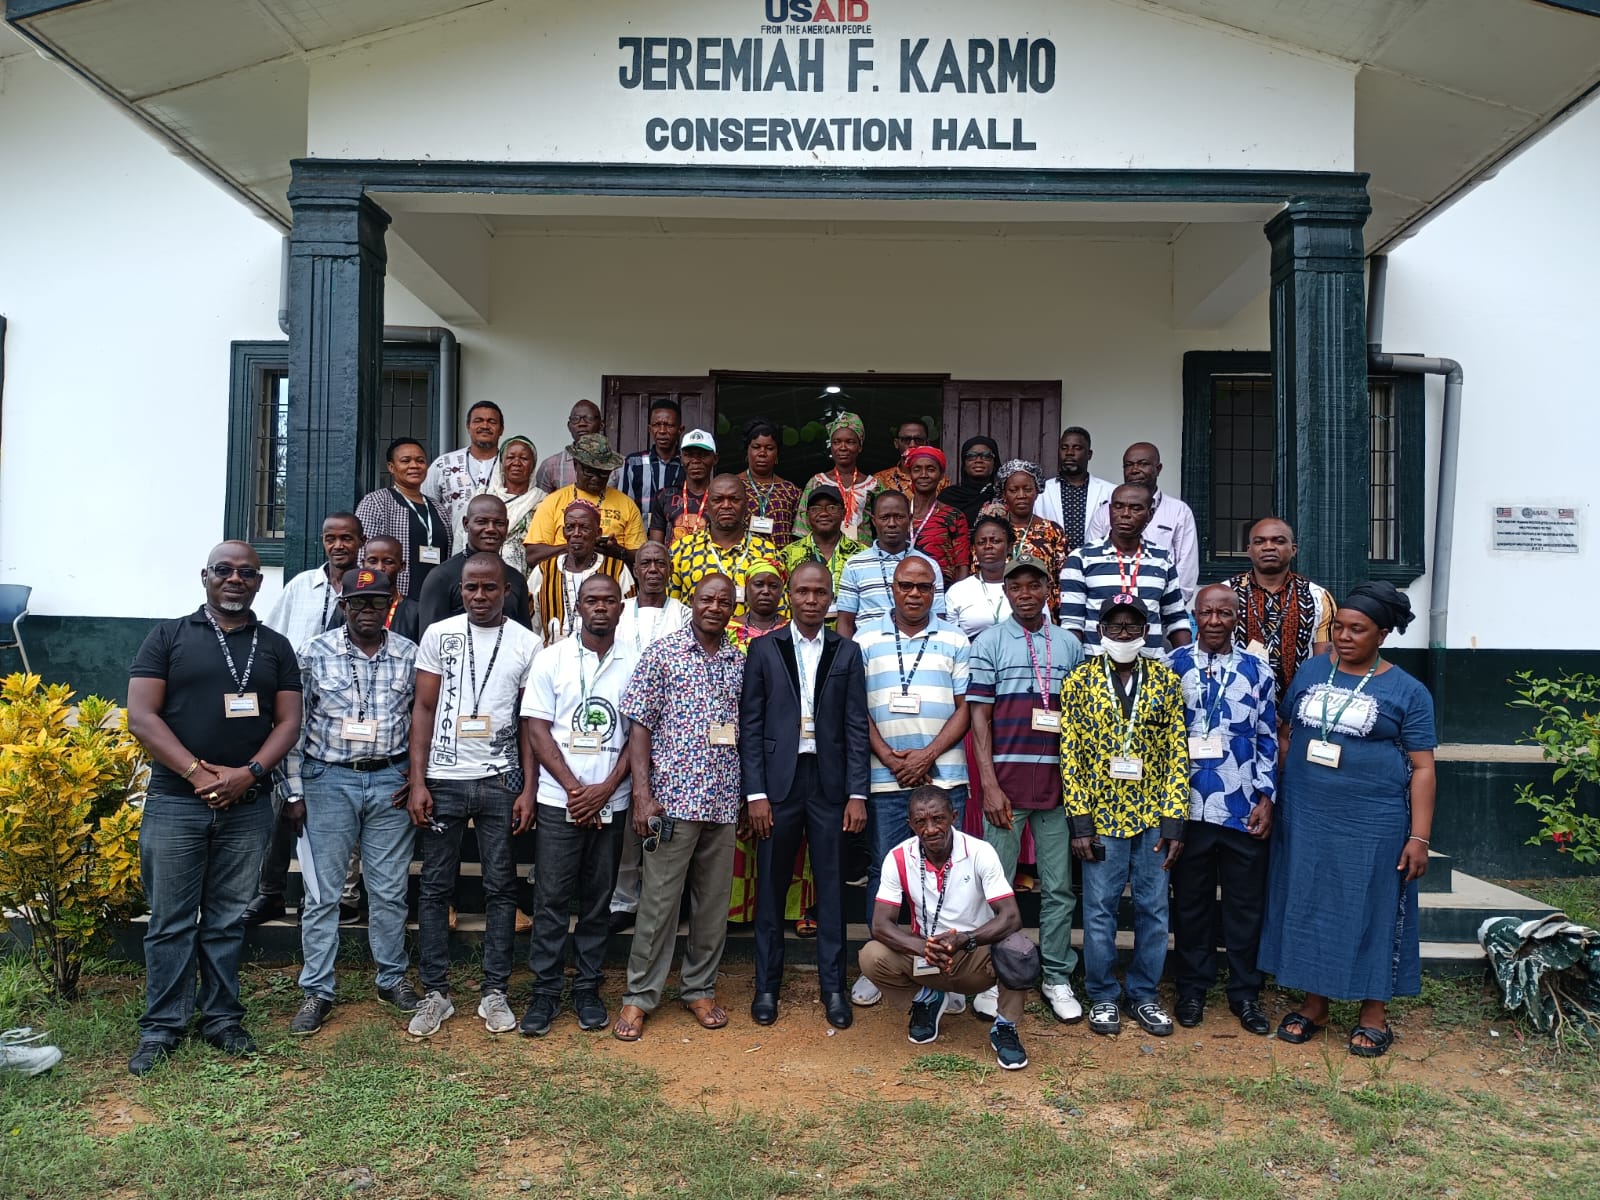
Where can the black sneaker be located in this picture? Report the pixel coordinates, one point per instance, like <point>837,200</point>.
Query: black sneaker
<point>402,997</point>
<point>312,1014</point>
<point>149,1055</point>
<point>235,1040</point>
<point>1008,1051</point>
<point>1104,1018</point>
<point>1252,1017</point>
<point>1152,1018</point>
<point>591,1010</point>
<point>924,1025</point>
<point>541,1011</point>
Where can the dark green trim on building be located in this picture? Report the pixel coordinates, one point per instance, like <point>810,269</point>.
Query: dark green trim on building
<point>1474,690</point>
<point>21,10</point>
<point>1345,191</point>
<point>250,364</point>
<point>1410,404</point>
<point>90,654</point>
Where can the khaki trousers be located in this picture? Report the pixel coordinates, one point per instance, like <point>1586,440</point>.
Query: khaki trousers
<point>972,973</point>
<point>699,856</point>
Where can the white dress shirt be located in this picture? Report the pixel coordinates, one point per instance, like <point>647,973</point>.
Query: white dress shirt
<point>304,608</point>
<point>807,660</point>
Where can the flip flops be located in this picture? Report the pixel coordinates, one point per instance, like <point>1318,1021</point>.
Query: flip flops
<point>1296,1028</point>
<point>1380,1039</point>
<point>629,1025</point>
<point>708,1012</point>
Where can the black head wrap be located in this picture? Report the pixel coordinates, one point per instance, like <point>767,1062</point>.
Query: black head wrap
<point>1383,602</point>
<point>970,493</point>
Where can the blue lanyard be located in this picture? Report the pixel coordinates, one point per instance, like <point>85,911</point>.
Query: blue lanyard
<point>1214,699</point>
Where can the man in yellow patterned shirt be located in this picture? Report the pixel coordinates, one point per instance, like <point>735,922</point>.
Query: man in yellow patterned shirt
<point>1125,782</point>
<point>723,547</point>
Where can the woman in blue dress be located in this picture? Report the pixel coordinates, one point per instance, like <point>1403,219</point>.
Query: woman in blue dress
<point>1350,837</point>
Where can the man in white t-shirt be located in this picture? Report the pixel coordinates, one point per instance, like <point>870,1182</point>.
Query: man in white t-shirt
<point>467,763</point>
<point>646,619</point>
<point>965,928</point>
<point>572,711</point>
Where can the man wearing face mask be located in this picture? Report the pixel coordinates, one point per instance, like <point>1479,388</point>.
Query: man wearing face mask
<point>1127,563</point>
<point>1125,781</point>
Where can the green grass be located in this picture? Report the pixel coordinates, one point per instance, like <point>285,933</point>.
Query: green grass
<point>1578,896</point>
<point>323,1117</point>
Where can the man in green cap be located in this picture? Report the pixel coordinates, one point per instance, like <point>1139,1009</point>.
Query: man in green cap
<point>621,526</point>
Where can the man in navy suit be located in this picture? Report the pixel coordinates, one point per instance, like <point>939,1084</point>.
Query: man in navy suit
<point>806,764</point>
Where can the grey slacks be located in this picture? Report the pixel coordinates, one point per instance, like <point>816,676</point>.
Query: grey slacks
<point>699,856</point>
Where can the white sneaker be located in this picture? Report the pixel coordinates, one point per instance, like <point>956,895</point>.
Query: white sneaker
<point>987,1004</point>
<point>955,1002</point>
<point>496,1013</point>
<point>865,993</point>
<point>1063,1002</point>
<point>433,1012</point>
<point>17,1054</point>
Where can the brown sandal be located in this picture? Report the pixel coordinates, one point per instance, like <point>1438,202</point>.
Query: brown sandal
<point>708,1012</point>
<point>630,1024</point>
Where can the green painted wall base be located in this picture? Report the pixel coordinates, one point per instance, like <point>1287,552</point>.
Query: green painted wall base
<point>92,654</point>
<point>1474,688</point>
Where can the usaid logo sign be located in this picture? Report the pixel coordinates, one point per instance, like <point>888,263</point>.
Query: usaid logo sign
<point>816,12</point>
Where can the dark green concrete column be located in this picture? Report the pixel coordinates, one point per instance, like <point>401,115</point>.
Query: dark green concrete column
<point>336,267</point>
<point>1319,379</point>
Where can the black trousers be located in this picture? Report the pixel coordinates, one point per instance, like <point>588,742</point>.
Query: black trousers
<point>1213,855</point>
<point>804,812</point>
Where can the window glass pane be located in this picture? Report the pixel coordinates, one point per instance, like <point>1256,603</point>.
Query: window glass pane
<point>800,409</point>
<point>1242,427</point>
<point>268,451</point>
<point>1385,524</point>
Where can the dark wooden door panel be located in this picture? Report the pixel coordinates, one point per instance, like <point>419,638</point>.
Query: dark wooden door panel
<point>628,401</point>
<point>1023,416</point>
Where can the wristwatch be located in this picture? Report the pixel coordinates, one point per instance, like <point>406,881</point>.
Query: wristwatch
<point>972,942</point>
<point>257,771</point>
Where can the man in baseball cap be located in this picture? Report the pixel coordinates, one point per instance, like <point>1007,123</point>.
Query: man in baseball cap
<point>826,542</point>
<point>679,510</point>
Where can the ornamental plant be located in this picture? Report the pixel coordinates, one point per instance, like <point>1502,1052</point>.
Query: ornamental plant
<point>1568,732</point>
<point>72,783</point>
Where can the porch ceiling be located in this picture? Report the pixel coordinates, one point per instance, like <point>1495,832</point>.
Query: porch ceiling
<point>1445,89</point>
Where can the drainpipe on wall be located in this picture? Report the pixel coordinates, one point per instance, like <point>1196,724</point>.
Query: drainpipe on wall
<point>1444,516</point>
<point>430,335</point>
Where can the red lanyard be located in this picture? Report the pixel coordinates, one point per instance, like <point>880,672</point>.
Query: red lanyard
<point>1042,680</point>
<point>1131,586</point>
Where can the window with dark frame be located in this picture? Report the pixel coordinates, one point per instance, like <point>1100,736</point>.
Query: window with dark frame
<point>1230,428</point>
<point>258,431</point>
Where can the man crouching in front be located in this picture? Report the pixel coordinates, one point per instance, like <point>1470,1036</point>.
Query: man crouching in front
<point>965,932</point>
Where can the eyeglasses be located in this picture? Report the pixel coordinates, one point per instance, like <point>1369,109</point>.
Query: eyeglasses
<point>221,571</point>
<point>363,603</point>
<point>660,831</point>
<point>1123,629</point>
<point>913,439</point>
<point>978,454</point>
<point>916,589</point>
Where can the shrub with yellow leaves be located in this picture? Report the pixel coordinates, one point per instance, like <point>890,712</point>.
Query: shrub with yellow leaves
<point>72,783</point>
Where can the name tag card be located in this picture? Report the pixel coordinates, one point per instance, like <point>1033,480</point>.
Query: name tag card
<point>761,525</point>
<point>921,966</point>
<point>911,705</point>
<point>242,705</point>
<point>584,743</point>
<point>475,726</point>
<point>738,593</point>
<point>352,730</point>
<point>808,727</point>
<point>1204,749</point>
<point>723,733</point>
<point>1324,754</point>
<point>1046,721</point>
<point>1128,767</point>
<point>1255,647</point>
<point>429,555</point>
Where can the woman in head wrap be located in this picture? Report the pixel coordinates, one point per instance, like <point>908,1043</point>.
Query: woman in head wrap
<point>1019,482</point>
<point>846,433</point>
<point>512,481</point>
<point>979,458</point>
<point>1351,827</point>
<point>938,529</point>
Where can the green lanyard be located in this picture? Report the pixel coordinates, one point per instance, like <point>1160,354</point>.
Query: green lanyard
<point>1138,701</point>
<point>1329,722</point>
<point>583,683</point>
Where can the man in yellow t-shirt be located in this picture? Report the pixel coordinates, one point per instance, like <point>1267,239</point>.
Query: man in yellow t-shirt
<point>621,526</point>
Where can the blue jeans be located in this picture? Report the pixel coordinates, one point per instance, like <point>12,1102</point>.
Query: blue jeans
<point>1132,858</point>
<point>346,809</point>
<point>887,828</point>
<point>487,803</point>
<point>199,868</point>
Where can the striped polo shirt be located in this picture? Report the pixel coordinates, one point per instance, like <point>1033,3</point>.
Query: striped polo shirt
<point>865,583</point>
<point>1095,573</point>
<point>1027,761</point>
<point>931,665</point>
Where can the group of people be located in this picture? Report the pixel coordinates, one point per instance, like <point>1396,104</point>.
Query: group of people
<point>697,684</point>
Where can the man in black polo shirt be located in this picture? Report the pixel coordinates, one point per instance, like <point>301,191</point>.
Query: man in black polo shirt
<point>214,699</point>
<point>486,525</point>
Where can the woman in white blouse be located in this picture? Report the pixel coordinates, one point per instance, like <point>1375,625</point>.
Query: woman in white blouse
<point>979,600</point>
